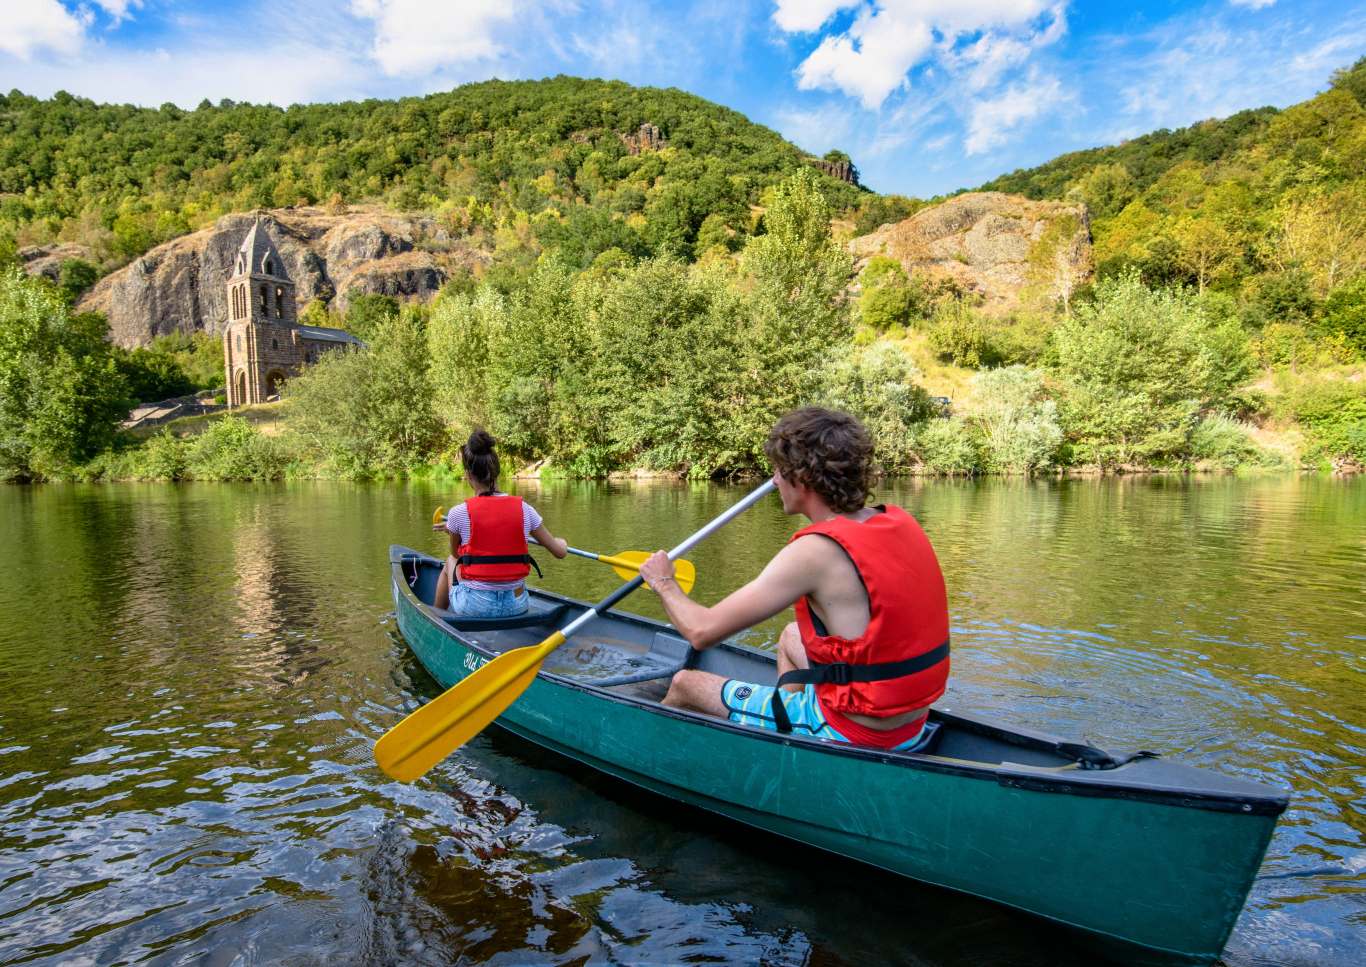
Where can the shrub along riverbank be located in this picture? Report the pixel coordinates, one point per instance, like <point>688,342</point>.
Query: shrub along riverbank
<point>662,365</point>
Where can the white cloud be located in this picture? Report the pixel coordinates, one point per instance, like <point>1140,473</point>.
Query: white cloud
<point>995,53</point>
<point>118,9</point>
<point>803,16</point>
<point>992,119</point>
<point>42,25</point>
<point>420,36</point>
<point>872,58</point>
<point>283,74</point>
<point>1252,4</point>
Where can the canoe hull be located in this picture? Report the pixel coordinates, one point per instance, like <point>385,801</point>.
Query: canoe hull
<point>1154,874</point>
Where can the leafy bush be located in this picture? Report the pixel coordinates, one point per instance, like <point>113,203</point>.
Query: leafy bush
<point>151,376</point>
<point>163,457</point>
<point>964,337</point>
<point>1222,442</point>
<point>1137,366</point>
<point>368,313</point>
<point>1018,425</point>
<point>877,384</point>
<point>1285,344</point>
<point>1333,413</point>
<point>948,447</point>
<point>74,277</point>
<point>230,449</point>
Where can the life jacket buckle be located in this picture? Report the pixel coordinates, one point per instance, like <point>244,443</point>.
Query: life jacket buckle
<point>839,673</point>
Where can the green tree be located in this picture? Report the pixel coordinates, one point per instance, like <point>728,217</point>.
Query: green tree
<point>74,277</point>
<point>879,385</point>
<point>796,276</point>
<point>368,313</point>
<point>61,394</point>
<point>1344,314</point>
<point>367,412</point>
<point>1137,367</point>
<point>1018,423</point>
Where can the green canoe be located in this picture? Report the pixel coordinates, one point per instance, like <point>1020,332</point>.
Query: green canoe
<point>1148,852</point>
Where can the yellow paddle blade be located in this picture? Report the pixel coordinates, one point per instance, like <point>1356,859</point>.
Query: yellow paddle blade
<point>627,565</point>
<point>408,750</point>
<point>438,515</point>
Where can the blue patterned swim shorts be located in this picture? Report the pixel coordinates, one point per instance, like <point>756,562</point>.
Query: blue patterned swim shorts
<point>750,704</point>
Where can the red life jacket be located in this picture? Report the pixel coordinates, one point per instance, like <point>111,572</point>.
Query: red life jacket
<point>901,661</point>
<point>497,549</point>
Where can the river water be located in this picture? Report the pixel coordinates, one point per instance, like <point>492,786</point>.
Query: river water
<point>194,676</point>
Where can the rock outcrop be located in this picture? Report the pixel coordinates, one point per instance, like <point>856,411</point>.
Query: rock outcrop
<point>47,259</point>
<point>180,286</point>
<point>1001,248</point>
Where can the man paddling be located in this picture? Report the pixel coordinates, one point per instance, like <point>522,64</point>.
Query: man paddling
<point>869,650</point>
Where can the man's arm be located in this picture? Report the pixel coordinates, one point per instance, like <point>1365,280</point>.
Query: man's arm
<point>792,573</point>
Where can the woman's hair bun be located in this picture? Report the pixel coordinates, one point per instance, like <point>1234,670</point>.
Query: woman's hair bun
<point>480,442</point>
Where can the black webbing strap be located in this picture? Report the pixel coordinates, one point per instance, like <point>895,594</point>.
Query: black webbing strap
<point>843,673</point>
<point>464,559</point>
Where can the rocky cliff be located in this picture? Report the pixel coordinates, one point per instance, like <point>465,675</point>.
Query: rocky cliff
<point>181,285</point>
<point>1001,248</point>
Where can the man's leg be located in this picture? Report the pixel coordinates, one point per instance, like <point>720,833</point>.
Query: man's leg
<point>791,654</point>
<point>697,691</point>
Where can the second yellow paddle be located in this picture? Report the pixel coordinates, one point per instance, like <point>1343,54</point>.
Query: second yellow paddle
<point>625,563</point>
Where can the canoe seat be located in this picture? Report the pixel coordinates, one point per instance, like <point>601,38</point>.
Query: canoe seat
<point>553,616</point>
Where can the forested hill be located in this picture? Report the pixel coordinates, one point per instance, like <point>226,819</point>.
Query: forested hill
<point>120,179</point>
<point>1224,202</point>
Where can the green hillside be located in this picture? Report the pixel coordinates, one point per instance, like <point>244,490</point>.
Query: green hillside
<point>121,179</point>
<point>1267,205</point>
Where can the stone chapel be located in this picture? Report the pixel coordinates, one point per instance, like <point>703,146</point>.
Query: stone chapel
<point>263,343</point>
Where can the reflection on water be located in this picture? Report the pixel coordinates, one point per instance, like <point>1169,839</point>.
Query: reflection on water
<point>195,675</point>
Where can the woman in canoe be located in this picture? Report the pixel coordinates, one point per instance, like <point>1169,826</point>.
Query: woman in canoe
<point>484,574</point>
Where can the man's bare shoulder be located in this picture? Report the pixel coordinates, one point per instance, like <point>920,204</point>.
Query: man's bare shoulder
<point>810,551</point>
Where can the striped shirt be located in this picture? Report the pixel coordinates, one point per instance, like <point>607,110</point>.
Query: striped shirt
<point>458,523</point>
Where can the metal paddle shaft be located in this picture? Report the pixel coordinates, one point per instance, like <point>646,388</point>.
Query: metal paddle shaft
<point>627,564</point>
<point>432,732</point>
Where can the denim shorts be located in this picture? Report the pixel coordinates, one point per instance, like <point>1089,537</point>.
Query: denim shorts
<point>473,603</point>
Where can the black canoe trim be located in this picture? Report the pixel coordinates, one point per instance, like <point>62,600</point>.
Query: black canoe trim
<point>1069,780</point>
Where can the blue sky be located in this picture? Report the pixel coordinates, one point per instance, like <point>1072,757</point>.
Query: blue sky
<point>925,95</point>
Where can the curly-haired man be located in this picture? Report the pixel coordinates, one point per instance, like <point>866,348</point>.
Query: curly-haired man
<point>869,650</point>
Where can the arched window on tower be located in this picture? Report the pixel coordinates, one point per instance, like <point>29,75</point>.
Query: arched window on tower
<point>269,269</point>
<point>265,298</point>
<point>279,302</point>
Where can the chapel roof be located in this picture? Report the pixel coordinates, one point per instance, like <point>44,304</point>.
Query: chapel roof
<point>258,256</point>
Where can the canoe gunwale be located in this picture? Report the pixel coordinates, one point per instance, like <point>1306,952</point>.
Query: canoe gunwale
<point>1066,780</point>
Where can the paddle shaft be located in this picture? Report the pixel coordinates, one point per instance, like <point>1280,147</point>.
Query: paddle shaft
<point>739,508</point>
<point>572,550</point>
